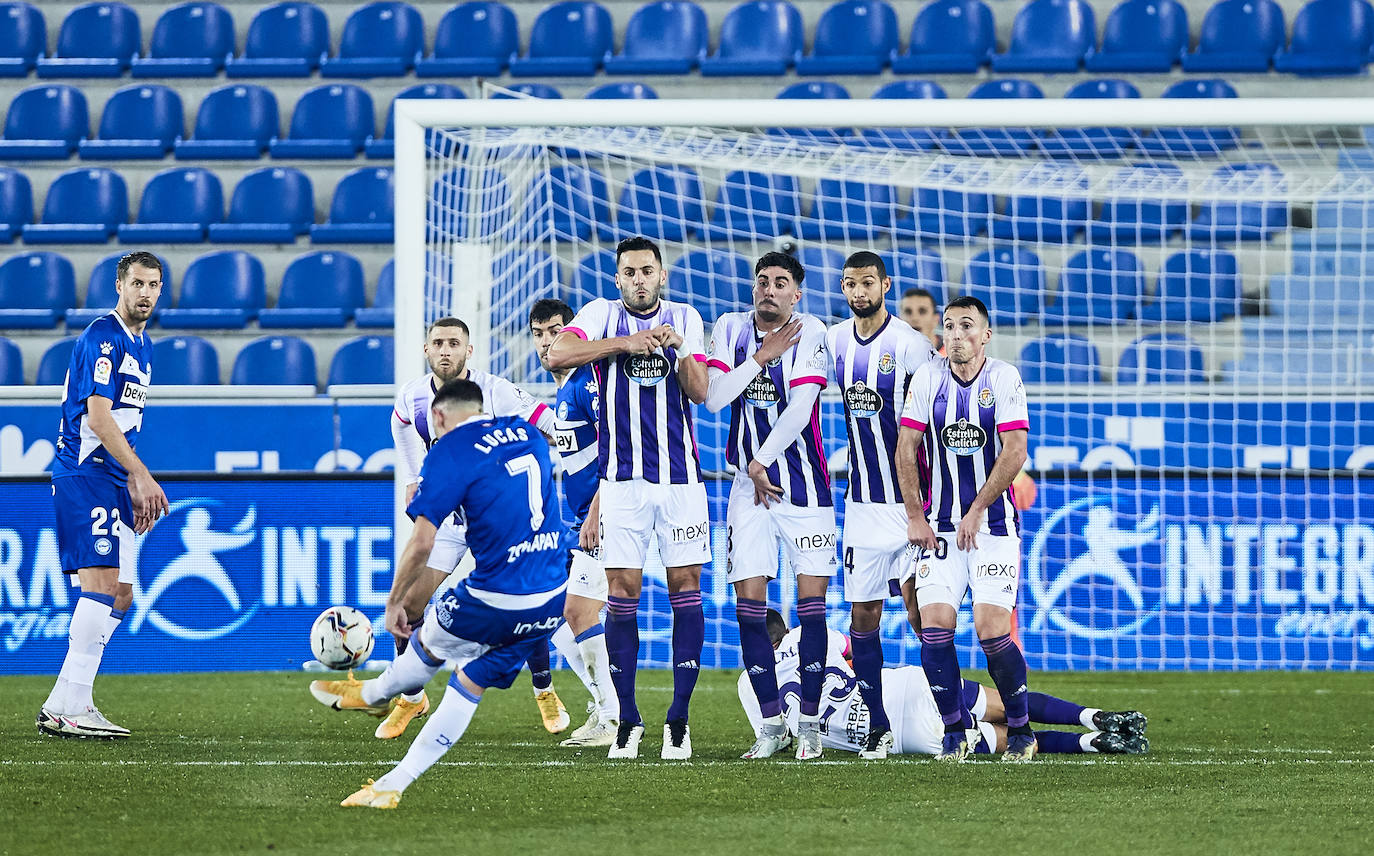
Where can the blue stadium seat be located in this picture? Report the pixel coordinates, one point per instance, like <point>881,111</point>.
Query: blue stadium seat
<point>945,213</point>
<point>284,40</point>
<point>36,290</point>
<point>23,38</point>
<point>234,121</point>
<point>1092,142</point>
<point>1010,282</point>
<point>223,290</point>
<point>185,361</point>
<point>330,121</point>
<point>808,90</point>
<point>519,277</point>
<point>45,123</point>
<point>1321,302</point>
<point>83,206</point>
<point>1055,219</point>
<point>319,289</point>
<point>382,312</point>
<point>1238,35</point>
<point>1196,142</point>
<point>366,359</point>
<point>661,202</point>
<point>595,277</point>
<point>474,39</point>
<point>713,281</point>
<point>379,39</point>
<point>915,267</point>
<point>178,205</point>
<point>1161,358</point>
<point>52,366</point>
<point>1305,370</point>
<point>530,90</point>
<point>996,141</point>
<point>663,37</point>
<point>363,210</point>
<point>101,294</point>
<point>189,40</point>
<point>96,40</point>
<point>1196,285</point>
<point>1235,220</point>
<point>850,210</point>
<point>751,204</point>
<point>570,38</point>
<point>1098,286</point>
<point>757,37</point>
<point>275,361</point>
<point>906,139</point>
<point>621,92</point>
<point>460,216</point>
<point>949,37</point>
<point>569,201</point>
<point>1329,37</point>
<point>1065,359</point>
<point>1049,36</point>
<point>852,37</point>
<point>11,363</point>
<point>1142,36</point>
<point>16,203</point>
<point>1144,213</point>
<point>385,146</point>
<point>270,205</point>
<point>821,295</point>
<point>141,121</point>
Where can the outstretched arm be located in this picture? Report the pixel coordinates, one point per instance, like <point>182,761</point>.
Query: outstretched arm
<point>407,572</point>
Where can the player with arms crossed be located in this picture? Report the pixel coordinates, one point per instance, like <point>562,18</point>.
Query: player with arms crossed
<point>576,409</point>
<point>650,365</point>
<point>875,356</point>
<point>769,367</point>
<point>497,474</point>
<point>969,413</point>
<point>103,494</point>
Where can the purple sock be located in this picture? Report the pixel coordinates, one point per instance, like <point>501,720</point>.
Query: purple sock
<point>1051,710</point>
<point>867,650</point>
<point>811,652</point>
<point>1059,742</point>
<point>1007,667</point>
<point>757,651</point>
<point>689,635</point>
<point>941,665</point>
<point>622,647</point>
<point>541,670</point>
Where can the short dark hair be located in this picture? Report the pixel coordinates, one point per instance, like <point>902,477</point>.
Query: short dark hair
<point>458,392</point>
<point>776,624</point>
<point>634,244</point>
<point>921,292</point>
<point>448,322</point>
<point>784,261</point>
<point>866,258</point>
<point>142,258</point>
<point>551,307</point>
<point>964,301</point>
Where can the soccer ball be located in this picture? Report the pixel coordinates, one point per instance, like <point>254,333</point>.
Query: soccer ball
<point>341,637</point>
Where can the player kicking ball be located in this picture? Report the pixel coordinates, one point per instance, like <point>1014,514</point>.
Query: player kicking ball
<point>496,473</point>
<point>769,367</point>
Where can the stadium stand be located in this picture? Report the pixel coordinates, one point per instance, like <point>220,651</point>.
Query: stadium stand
<point>757,37</point>
<point>1065,359</point>
<point>1238,35</point>
<point>379,40</point>
<point>23,38</point>
<point>665,37</point>
<point>177,207</point>
<point>52,368</point>
<point>1141,36</point>
<point>331,121</point>
<point>473,39</point>
<point>950,37</point>
<point>186,361</point>
<point>83,206</point>
<point>222,290</point>
<point>36,289</point>
<point>45,122</point>
<point>852,37</point>
<point>270,205</point>
<point>275,361</point>
<point>319,289</point>
<point>142,121</point>
<point>1161,358</point>
<point>366,359</point>
<point>189,40</point>
<point>570,38</point>
<point>11,363</point>
<point>284,40</point>
<point>235,121</point>
<point>96,40</point>
<point>1049,36</point>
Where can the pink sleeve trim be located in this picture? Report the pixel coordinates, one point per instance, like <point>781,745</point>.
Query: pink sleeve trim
<point>701,358</point>
<point>717,364</point>
<point>908,422</point>
<point>1018,425</point>
<point>397,414</point>
<point>576,332</point>
<point>816,379</point>
<point>539,410</point>
<point>846,653</point>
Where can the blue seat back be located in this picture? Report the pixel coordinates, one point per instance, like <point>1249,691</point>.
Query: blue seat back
<point>577,28</point>
<point>954,27</point>
<point>906,138</point>
<point>595,277</point>
<point>1060,359</point>
<point>422,91</point>
<point>11,363</point>
<point>667,29</point>
<point>323,279</point>
<point>384,29</point>
<point>144,112</point>
<point>1242,26</point>
<point>856,28</point>
<point>365,195</point>
<point>1058,27</point>
<point>100,31</point>
<point>1104,88</point>
<point>1198,285</point>
<point>714,281</point>
<point>477,28</point>
<point>23,32</point>
<point>227,279</point>
<point>48,112</point>
<point>367,359</point>
<point>274,194</point>
<point>37,280</point>
<point>757,202</point>
<point>1161,358</point>
<point>16,197</point>
<point>275,361</point>
<point>915,267</point>
<point>821,295</point>
<point>1146,25</point>
<point>1200,88</point>
<point>1106,284</point>
<point>1333,27</point>
<point>385,294</point>
<point>531,90</point>
<point>762,29</point>
<point>624,91</point>
<point>188,194</point>
<point>1010,281</point>
<point>291,30</point>
<point>240,111</point>
<point>185,361</point>
<point>197,29</point>
<point>1249,181</point>
<point>52,366</point>
<point>1144,198</point>
<point>87,195</point>
<point>100,288</point>
<point>660,194</point>
<point>335,111</point>
<point>854,203</point>
<point>578,196</point>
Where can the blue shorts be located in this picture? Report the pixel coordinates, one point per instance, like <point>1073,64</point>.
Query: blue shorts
<point>487,644</point>
<point>94,524</point>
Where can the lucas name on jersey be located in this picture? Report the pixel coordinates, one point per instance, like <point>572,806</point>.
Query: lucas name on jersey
<point>495,438</point>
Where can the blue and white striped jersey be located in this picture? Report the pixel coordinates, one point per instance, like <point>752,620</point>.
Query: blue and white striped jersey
<point>576,411</point>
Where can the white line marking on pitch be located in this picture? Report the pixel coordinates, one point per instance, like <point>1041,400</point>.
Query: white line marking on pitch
<point>1096,761</point>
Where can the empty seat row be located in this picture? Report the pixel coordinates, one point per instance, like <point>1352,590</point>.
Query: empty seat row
<point>576,37</point>
<point>1073,360</point>
<point>221,290</point>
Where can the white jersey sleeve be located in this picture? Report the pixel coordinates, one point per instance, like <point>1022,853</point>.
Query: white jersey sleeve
<point>590,321</point>
<point>920,353</point>
<point>694,337</point>
<point>507,399</point>
<point>1009,408</point>
<point>916,412</point>
<point>410,447</point>
<point>813,354</point>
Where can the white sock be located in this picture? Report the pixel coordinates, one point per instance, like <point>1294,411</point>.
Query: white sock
<point>85,647</point>
<point>413,698</point>
<point>1085,741</point>
<point>1086,717</point>
<point>406,672</point>
<point>598,665</point>
<point>442,729</point>
<point>112,624</point>
<point>566,646</point>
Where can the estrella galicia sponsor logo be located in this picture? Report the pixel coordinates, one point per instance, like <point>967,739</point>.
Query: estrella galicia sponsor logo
<point>647,369</point>
<point>862,400</point>
<point>963,437</point>
<point>762,392</point>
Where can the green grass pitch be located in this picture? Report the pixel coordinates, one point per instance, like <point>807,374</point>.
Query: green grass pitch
<point>249,763</point>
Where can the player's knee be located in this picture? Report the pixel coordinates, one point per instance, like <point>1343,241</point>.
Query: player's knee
<point>100,581</point>
<point>685,578</point>
<point>865,617</point>
<point>581,613</point>
<point>124,597</point>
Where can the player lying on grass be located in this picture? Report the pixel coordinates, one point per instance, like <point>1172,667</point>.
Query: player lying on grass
<point>916,725</point>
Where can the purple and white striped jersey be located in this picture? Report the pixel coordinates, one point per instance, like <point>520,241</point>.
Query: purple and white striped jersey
<point>646,429</point>
<point>963,425</point>
<point>873,375</point>
<point>410,419</point>
<point>801,470</point>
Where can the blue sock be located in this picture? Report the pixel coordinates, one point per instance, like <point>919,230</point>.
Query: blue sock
<point>941,664</point>
<point>757,652</point>
<point>622,647</point>
<point>867,651</point>
<point>689,636</point>
<point>1060,742</point>
<point>811,652</point>
<point>541,669</point>
<point>1007,667</point>
<point>1054,711</point>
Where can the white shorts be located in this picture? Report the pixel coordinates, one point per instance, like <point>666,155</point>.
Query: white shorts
<point>450,546</point>
<point>588,576</point>
<point>992,570</point>
<point>632,511</point>
<point>875,550</point>
<point>807,536</point>
<point>916,725</point>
